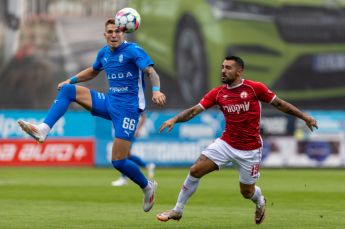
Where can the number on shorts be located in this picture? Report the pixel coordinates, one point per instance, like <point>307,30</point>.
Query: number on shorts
<point>255,170</point>
<point>128,124</point>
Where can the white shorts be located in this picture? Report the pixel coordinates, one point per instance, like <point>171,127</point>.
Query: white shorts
<point>247,162</point>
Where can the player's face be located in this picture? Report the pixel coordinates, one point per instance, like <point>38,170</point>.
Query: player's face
<point>231,72</point>
<point>113,36</point>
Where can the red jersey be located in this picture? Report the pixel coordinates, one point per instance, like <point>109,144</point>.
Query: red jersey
<point>242,111</point>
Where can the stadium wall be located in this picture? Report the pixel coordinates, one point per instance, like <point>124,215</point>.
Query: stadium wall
<point>287,142</point>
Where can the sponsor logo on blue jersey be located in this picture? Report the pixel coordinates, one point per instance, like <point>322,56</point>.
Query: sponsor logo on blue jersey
<point>118,89</point>
<point>119,75</point>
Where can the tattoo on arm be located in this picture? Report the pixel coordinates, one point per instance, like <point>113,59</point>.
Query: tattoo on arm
<point>281,105</point>
<point>152,74</point>
<point>188,114</point>
<point>287,108</point>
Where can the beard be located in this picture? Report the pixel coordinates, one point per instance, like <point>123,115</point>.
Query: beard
<point>227,80</point>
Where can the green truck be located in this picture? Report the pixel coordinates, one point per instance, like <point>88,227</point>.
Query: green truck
<point>296,47</point>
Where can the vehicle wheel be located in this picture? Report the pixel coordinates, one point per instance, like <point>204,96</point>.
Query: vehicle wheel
<point>190,61</point>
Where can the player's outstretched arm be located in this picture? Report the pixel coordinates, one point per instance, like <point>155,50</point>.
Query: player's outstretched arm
<point>183,116</point>
<point>292,110</point>
<point>157,96</point>
<point>85,75</point>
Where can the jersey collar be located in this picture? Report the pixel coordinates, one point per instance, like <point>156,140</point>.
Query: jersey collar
<point>229,87</point>
<point>124,43</point>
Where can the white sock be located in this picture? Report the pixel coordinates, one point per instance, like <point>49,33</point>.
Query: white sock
<point>44,128</point>
<point>148,187</point>
<point>258,198</point>
<point>189,187</point>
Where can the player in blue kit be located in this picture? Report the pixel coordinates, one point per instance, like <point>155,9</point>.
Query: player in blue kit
<point>125,64</point>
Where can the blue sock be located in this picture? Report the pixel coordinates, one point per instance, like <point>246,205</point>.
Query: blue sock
<point>137,160</point>
<point>131,170</point>
<point>67,94</point>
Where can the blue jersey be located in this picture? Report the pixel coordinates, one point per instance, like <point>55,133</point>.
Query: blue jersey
<point>124,69</point>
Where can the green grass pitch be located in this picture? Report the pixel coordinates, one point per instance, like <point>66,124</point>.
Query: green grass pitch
<point>83,198</point>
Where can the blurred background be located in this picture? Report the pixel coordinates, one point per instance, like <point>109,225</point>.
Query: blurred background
<point>296,47</point>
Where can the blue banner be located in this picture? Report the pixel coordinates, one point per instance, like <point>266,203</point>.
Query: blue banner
<point>72,124</point>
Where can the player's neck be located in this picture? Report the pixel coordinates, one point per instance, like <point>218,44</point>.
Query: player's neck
<point>112,48</point>
<point>236,82</point>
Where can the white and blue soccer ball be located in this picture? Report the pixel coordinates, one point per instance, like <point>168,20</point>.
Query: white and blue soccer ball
<point>128,20</point>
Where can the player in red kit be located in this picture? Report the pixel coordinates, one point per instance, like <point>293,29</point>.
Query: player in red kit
<point>241,144</point>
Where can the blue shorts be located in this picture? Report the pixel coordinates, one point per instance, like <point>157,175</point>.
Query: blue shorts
<point>125,120</point>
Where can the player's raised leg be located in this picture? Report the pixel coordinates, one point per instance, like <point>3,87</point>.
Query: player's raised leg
<point>200,168</point>
<point>120,162</point>
<point>67,94</point>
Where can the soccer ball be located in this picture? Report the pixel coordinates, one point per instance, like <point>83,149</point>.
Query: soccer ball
<point>127,20</point>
